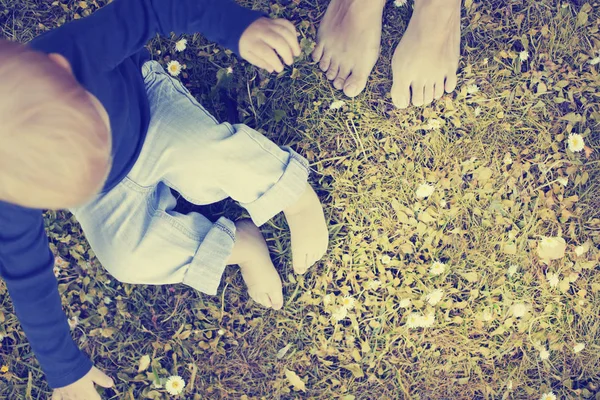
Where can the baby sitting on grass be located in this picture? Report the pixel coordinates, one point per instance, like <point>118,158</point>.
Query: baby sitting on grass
<point>90,124</point>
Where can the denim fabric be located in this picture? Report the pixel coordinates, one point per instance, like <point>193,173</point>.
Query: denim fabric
<point>133,229</point>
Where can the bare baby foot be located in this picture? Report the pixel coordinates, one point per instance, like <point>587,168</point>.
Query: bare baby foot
<point>348,43</point>
<point>308,229</point>
<point>251,253</point>
<point>426,59</point>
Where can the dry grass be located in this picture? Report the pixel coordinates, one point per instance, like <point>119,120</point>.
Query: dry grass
<point>494,161</point>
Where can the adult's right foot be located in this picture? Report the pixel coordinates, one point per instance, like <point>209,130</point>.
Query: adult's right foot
<point>348,43</point>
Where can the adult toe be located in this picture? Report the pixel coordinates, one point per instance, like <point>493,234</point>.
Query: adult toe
<point>418,93</point>
<point>450,83</point>
<point>401,94</point>
<point>333,70</point>
<point>356,83</point>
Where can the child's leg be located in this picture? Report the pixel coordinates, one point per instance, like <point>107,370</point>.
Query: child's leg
<point>237,162</point>
<point>138,238</point>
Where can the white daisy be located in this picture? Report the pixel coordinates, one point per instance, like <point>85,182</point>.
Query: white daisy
<point>336,105</point>
<point>174,68</point>
<point>385,259</point>
<point>414,320</point>
<point>348,302</point>
<point>437,268</point>
<point>424,190</point>
<point>552,279</point>
<point>576,143</point>
<point>400,3</point>
<point>524,55</point>
<point>435,296</point>
<point>433,124</point>
<point>175,385</point>
<point>513,269</point>
<point>181,45</point>
<point>340,314</point>
<point>544,354</point>
<point>548,396</point>
<point>578,347</point>
<point>428,320</point>
<point>472,89</point>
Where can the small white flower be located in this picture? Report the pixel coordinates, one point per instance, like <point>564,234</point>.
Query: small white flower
<point>374,284</point>
<point>107,300</point>
<point>580,250</point>
<point>404,303</point>
<point>519,310</point>
<point>513,269</point>
<point>424,190</point>
<point>56,271</point>
<point>524,55</point>
<point>73,321</point>
<point>413,320</point>
<point>437,268</point>
<point>229,70</point>
<point>336,105</point>
<point>563,180</point>
<point>220,332</point>
<point>548,396</point>
<point>400,3</point>
<point>578,347</point>
<point>544,354</point>
<point>348,302</point>
<point>552,279</point>
<point>428,320</point>
<point>435,296</point>
<point>340,314</point>
<point>433,124</point>
<point>477,111</point>
<point>385,259</point>
<point>174,385</point>
<point>472,89</point>
<point>576,143</point>
<point>174,67</point>
<point>181,45</point>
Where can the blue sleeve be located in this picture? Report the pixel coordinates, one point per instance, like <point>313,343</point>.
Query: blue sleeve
<point>26,265</point>
<point>122,28</point>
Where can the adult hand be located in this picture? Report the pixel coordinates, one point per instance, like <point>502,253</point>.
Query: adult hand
<point>265,40</point>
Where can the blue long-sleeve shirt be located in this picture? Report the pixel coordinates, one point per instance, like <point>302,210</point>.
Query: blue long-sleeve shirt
<point>106,51</point>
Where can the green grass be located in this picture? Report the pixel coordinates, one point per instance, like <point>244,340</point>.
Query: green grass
<point>368,159</point>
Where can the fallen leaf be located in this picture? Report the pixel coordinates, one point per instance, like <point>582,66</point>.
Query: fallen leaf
<point>355,369</point>
<point>144,363</point>
<point>551,248</point>
<point>295,380</point>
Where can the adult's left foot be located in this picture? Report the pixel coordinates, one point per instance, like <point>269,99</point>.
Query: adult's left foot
<point>426,59</point>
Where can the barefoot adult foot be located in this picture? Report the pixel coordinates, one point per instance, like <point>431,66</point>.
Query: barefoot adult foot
<point>250,252</point>
<point>308,229</point>
<point>348,43</point>
<point>425,62</point>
